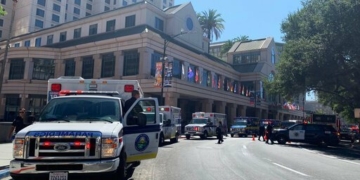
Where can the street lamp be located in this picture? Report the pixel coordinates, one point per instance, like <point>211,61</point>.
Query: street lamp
<point>3,62</point>
<point>163,59</point>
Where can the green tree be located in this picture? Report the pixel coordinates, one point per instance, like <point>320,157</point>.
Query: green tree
<point>211,24</point>
<point>321,53</point>
<point>2,11</point>
<point>229,43</point>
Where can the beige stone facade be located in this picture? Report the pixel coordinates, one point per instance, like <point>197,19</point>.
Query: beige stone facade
<point>131,53</point>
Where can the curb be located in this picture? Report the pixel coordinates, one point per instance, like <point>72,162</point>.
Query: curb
<point>4,172</point>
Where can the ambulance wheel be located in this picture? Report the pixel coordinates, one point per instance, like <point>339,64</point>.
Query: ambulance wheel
<point>232,135</point>
<point>161,140</point>
<point>187,136</point>
<point>121,170</point>
<point>204,136</point>
<point>176,139</point>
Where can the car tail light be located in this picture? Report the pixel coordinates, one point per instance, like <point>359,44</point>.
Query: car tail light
<point>128,88</point>
<point>56,87</point>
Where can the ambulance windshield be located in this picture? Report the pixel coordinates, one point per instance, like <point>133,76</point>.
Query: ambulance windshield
<point>81,109</point>
<point>240,123</point>
<point>199,121</point>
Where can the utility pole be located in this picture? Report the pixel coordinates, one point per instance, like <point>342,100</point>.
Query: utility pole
<point>3,62</point>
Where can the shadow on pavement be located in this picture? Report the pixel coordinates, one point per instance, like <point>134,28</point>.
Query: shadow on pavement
<point>342,151</point>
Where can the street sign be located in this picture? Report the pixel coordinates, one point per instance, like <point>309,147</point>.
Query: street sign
<point>357,112</point>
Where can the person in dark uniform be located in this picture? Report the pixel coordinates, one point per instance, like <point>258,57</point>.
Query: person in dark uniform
<point>18,123</point>
<point>135,95</point>
<point>219,133</point>
<point>269,129</point>
<point>261,132</point>
<point>135,112</point>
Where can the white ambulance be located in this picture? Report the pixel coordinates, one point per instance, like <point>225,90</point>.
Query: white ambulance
<point>170,131</point>
<point>168,116</point>
<point>84,132</point>
<point>204,124</point>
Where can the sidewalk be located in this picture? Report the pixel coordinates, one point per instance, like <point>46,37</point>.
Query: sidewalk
<point>5,157</point>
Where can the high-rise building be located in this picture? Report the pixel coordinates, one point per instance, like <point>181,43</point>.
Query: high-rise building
<point>33,15</point>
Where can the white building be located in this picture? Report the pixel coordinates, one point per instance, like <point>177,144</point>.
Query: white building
<point>32,15</point>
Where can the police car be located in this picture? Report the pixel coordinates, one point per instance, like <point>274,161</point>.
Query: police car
<point>307,133</point>
<point>85,133</point>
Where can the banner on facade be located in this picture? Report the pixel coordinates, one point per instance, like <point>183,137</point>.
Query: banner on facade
<point>158,73</point>
<point>168,74</point>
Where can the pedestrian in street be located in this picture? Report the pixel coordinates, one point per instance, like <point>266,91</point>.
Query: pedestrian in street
<point>18,123</point>
<point>219,133</point>
<point>262,132</point>
<point>269,129</point>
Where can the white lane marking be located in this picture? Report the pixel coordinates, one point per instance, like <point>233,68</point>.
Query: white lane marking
<point>244,146</point>
<point>332,157</point>
<point>267,159</point>
<point>289,169</point>
<point>350,162</point>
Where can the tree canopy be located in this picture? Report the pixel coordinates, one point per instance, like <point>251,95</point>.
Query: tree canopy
<point>322,53</point>
<point>2,11</point>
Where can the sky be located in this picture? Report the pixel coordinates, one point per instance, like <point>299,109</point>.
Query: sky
<point>254,18</point>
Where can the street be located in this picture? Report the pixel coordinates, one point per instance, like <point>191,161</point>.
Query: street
<point>242,158</point>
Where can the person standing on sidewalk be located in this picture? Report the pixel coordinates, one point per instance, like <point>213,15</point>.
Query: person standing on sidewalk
<point>269,129</point>
<point>219,133</point>
<point>261,132</point>
<point>18,123</point>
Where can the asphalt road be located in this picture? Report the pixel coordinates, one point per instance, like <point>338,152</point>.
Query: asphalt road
<point>242,158</point>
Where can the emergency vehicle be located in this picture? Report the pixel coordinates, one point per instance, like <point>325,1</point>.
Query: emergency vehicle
<point>244,126</point>
<point>168,116</point>
<point>84,132</point>
<point>326,119</point>
<point>204,124</point>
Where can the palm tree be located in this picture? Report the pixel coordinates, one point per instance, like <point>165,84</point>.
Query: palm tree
<point>228,44</point>
<point>211,23</point>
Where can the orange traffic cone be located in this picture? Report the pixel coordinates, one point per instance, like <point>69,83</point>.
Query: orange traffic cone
<point>265,137</point>
<point>253,137</point>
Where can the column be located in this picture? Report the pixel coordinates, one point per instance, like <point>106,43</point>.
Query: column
<point>207,105</point>
<point>119,64</point>
<point>258,113</point>
<point>2,110</point>
<point>78,66</point>
<point>264,114</point>
<point>144,62</point>
<point>97,66</point>
<point>232,113</point>
<point>171,99</point>
<point>29,66</point>
<point>220,107</point>
<point>242,110</point>
<point>24,102</point>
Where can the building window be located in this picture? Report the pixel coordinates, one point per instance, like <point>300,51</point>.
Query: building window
<point>75,18</point>
<point>40,12</point>
<point>49,39</point>
<point>124,3</point>
<point>88,67</point>
<point>159,24</point>
<point>155,57</point>
<point>27,43</point>
<point>77,33</point>
<point>191,73</point>
<point>3,2</point>
<point>88,14</point>
<point>0,33</point>
<point>12,106</point>
<point>110,25</point>
<point>78,2</point>
<point>17,68</point>
<point>115,2</point>
<point>108,65</point>
<point>134,1</point>
<point>247,58</point>
<point>204,79</point>
<point>177,69</point>
<point>89,7</point>
<point>76,11</point>
<point>164,1</point>
<point>36,103</point>
<point>69,67</point>
<point>131,63</point>
<point>43,69</point>
<point>273,55</point>
<point>55,18</point>
<point>38,42</point>
<point>41,2</point>
<point>107,1</point>
<point>93,29</point>
<point>39,23</point>
<point>130,21</point>
<point>56,7</point>
<point>62,36</point>
<point>1,22</point>
<point>17,45</point>
<point>106,8</point>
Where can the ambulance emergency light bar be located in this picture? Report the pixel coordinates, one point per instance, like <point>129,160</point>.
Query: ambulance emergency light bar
<point>108,93</point>
<point>201,114</point>
<point>56,87</point>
